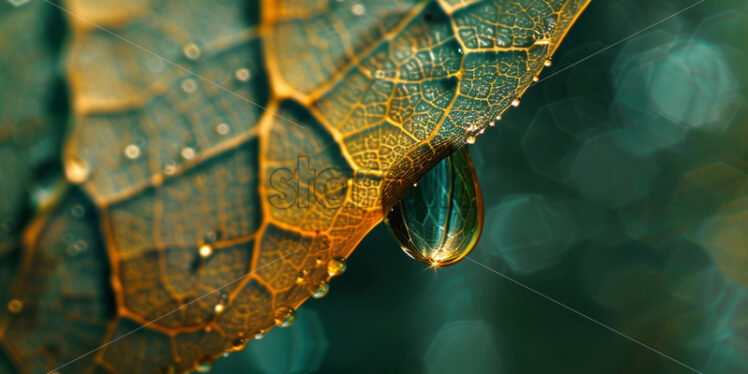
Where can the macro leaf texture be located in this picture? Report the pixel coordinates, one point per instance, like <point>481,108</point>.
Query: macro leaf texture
<point>439,220</point>
<point>180,235</point>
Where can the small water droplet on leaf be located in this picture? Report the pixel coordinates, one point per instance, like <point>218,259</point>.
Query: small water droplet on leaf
<point>322,290</point>
<point>285,316</point>
<point>336,266</point>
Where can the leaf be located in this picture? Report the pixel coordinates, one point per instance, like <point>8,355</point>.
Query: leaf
<point>188,119</point>
<point>440,219</point>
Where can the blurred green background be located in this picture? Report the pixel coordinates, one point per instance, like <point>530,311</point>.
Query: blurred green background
<point>619,188</point>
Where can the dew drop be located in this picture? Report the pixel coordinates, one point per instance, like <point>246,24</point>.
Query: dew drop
<point>219,308</point>
<point>15,306</point>
<point>191,51</point>
<point>225,354</point>
<point>459,50</point>
<point>77,211</point>
<point>322,290</point>
<point>242,74</point>
<point>284,316</point>
<point>482,131</point>
<point>492,124</point>
<point>189,85</point>
<point>336,266</point>
<point>470,139</point>
<point>170,168</point>
<point>77,170</point>
<point>358,9</point>
<point>188,153</point>
<point>222,128</point>
<point>535,78</point>
<point>260,334</point>
<point>515,103</point>
<point>547,63</point>
<point>76,248</point>
<point>415,184</point>
<point>301,276</point>
<point>132,151</point>
<point>204,364</point>
<point>498,118</point>
<point>238,343</point>
<point>206,251</point>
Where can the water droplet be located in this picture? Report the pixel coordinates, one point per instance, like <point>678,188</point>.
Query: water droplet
<point>219,308</point>
<point>260,334</point>
<point>76,248</point>
<point>498,118</point>
<point>459,50</point>
<point>206,250</point>
<point>242,74</point>
<point>189,85</point>
<point>470,140</point>
<point>225,354</point>
<point>188,153</point>
<point>415,184</point>
<point>77,170</point>
<point>191,51</point>
<point>170,168</point>
<point>515,103</point>
<point>77,211</point>
<point>15,306</point>
<point>547,63</point>
<point>301,276</point>
<point>322,290</point>
<point>222,129</point>
<point>492,124</point>
<point>284,316</point>
<point>132,151</point>
<point>482,131</point>
<point>336,266</point>
<point>358,9</point>
<point>238,343</point>
<point>204,364</point>
<point>535,78</point>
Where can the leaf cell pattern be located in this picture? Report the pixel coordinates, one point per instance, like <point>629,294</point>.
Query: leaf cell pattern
<point>220,154</point>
